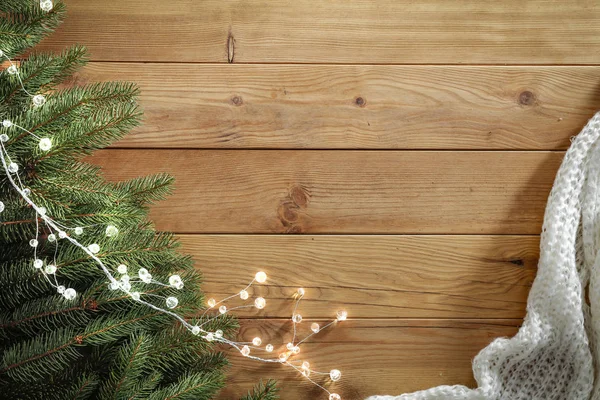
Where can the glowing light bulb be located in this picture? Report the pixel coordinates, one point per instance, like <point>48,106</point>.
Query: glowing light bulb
<point>52,237</point>
<point>260,303</point>
<point>50,269</point>
<point>12,70</point>
<point>26,191</point>
<point>269,348</point>
<point>122,269</point>
<point>341,315</point>
<point>209,336</point>
<point>301,292</point>
<point>223,309</point>
<point>289,346</point>
<point>296,349</point>
<point>38,100</point>
<point>38,263</point>
<point>1,206</point>
<point>33,243</point>
<point>62,234</point>
<point>245,351</point>
<point>78,230</point>
<point>125,278</point>
<point>45,144</point>
<point>114,285</point>
<point>196,330</point>
<point>94,248</point>
<point>283,357</point>
<point>111,231</point>
<point>257,341</point>
<point>176,282</point>
<point>297,318</point>
<point>126,286</point>
<point>61,289</point>
<point>42,210</point>
<point>70,294</point>
<point>218,334</point>
<point>135,295</point>
<point>335,375</point>
<point>46,5</point>
<point>334,396</point>
<point>305,365</point>
<point>261,277</point>
<point>172,302</point>
<point>212,303</point>
<point>315,327</point>
<point>4,138</point>
<point>13,167</point>
<point>143,273</point>
<point>7,123</point>
<point>244,295</point>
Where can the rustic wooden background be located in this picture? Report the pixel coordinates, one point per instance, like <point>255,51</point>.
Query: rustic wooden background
<point>393,157</point>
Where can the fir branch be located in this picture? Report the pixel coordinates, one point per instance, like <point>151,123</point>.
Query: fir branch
<point>262,391</point>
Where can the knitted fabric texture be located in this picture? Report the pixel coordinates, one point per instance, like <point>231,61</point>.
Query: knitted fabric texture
<point>555,353</point>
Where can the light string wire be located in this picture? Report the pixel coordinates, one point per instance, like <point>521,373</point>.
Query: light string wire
<point>123,284</point>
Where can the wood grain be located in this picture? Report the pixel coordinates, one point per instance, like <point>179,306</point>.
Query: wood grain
<point>375,356</point>
<point>373,276</point>
<point>356,106</point>
<point>244,191</point>
<point>358,31</point>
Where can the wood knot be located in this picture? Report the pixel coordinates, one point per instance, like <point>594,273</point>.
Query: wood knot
<point>526,98</point>
<point>359,101</point>
<point>237,100</point>
<point>288,211</point>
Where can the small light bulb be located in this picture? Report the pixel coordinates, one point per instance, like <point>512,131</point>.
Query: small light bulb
<point>12,69</point>
<point>45,144</point>
<point>62,234</point>
<point>218,334</point>
<point>122,269</point>
<point>260,303</point>
<point>1,206</point>
<point>335,375</point>
<point>283,357</point>
<point>289,346</point>
<point>261,277</point>
<point>38,263</point>
<point>223,309</point>
<point>70,294</point>
<point>13,167</point>
<point>26,191</point>
<point>257,341</point>
<point>269,348</point>
<point>306,372</point>
<point>52,237</point>
<point>125,278</point>
<point>61,289</point>
<point>94,248</point>
<point>111,231</point>
<point>50,269</point>
<point>135,295</point>
<point>142,272</point>
<point>244,295</point>
<point>196,330</point>
<point>212,303</point>
<point>78,230</point>
<point>301,292</point>
<point>4,138</point>
<point>334,396</point>
<point>176,282</point>
<point>305,365</point>
<point>297,318</point>
<point>209,336</point>
<point>315,327</point>
<point>245,351</point>
<point>46,5</point>
<point>172,302</point>
<point>296,349</point>
<point>42,211</point>
<point>7,123</point>
<point>33,243</point>
<point>38,100</point>
<point>114,285</point>
<point>126,286</point>
<point>341,315</point>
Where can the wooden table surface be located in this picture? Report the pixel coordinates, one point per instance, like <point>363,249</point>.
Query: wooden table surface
<point>393,157</point>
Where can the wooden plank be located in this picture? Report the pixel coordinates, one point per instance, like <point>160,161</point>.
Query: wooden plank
<point>245,191</point>
<point>356,106</point>
<point>375,356</point>
<point>359,31</point>
<point>384,276</point>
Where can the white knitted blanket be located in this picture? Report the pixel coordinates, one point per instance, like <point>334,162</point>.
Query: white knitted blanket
<point>554,355</point>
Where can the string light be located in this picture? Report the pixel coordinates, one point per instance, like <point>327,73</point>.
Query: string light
<point>124,283</point>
